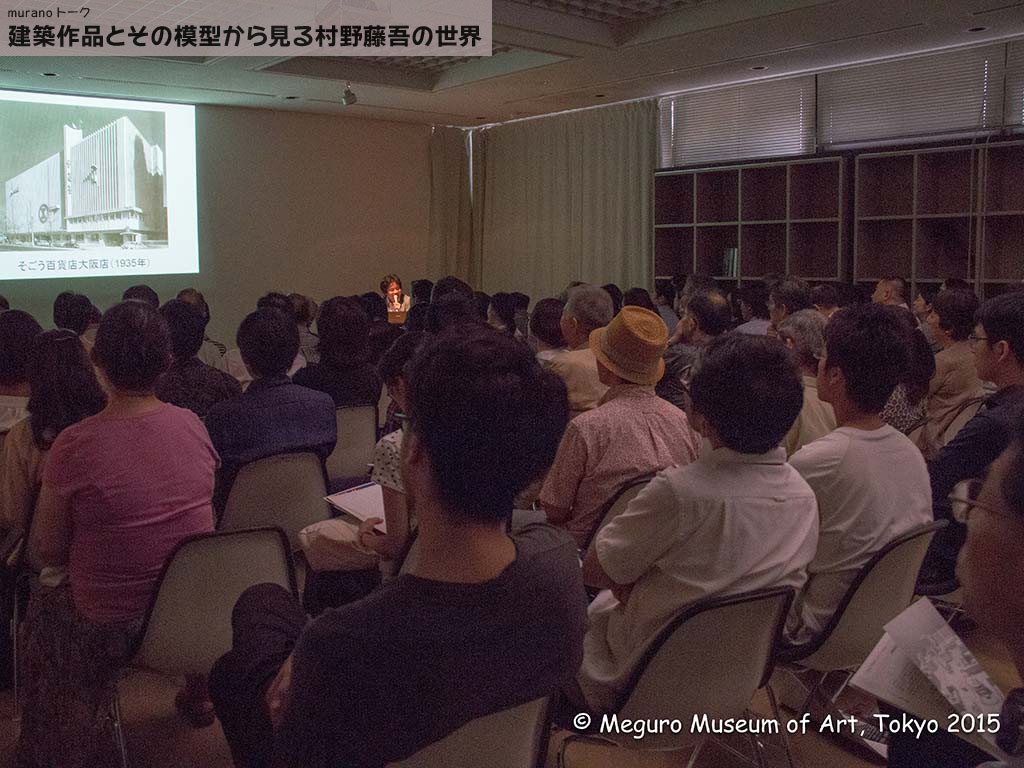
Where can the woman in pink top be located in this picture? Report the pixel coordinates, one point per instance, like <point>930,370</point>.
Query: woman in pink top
<point>120,490</point>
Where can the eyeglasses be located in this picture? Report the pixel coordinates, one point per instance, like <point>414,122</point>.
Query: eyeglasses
<point>973,338</point>
<point>965,500</point>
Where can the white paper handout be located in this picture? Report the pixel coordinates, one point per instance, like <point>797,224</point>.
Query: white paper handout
<point>362,502</point>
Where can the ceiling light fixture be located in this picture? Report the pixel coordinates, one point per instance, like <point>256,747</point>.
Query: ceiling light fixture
<point>598,95</point>
<point>348,98</point>
<point>759,68</point>
<point>977,29</point>
<point>50,74</point>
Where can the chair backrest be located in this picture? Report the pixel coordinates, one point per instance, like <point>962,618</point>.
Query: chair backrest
<point>357,437</point>
<point>883,588</point>
<point>617,505</point>
<point>512,738</point>
<point>708,660</point>
<point>286,491</point>
<point>188,625</point>
<point>966,411</point>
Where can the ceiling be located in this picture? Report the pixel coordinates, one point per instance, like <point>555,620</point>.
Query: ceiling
<point>550,56</point>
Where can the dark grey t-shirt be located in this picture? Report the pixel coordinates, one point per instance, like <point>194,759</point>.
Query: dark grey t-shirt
<point>377,680</point>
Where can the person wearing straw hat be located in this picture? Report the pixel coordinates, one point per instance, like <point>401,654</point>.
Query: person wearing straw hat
<point>631,433</point>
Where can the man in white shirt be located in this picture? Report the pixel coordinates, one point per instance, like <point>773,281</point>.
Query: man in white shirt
<point>737,519</point>
<point>870,480</point>
<point>18,331</point>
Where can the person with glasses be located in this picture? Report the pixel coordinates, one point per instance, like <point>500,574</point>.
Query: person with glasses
<point>997,343</point>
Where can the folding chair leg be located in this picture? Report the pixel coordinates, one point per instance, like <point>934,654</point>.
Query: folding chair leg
<point>119,730</point>
<point>778,718</point>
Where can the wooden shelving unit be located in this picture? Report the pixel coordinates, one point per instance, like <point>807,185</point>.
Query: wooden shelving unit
<point>743,221</point>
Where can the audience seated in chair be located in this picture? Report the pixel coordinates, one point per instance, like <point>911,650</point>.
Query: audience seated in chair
<point>785,297</point>
<point>869,479</point>
<point>738,518</point>
<point>907,406</point>
<point>64,390</point>
<point>18,331</point>
<point>998,347</point>
<point>189,382</point>
<point>632,433</point>
<point>233,361</point>
<point>804,333</point>
<point>891,292</point>
<point>211,352</point>
<point>825,299</point>
<point>753,300</point>
<point>274,415</point>
<point>120,489</point>
<point>306,311</point>
<point>706,316</point>
<point>545,330</point>
<point>485,621</point>
<point>344,371</point>
<point>587,308</point>
<point>664,299</point>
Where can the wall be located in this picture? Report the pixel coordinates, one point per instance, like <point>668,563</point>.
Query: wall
<point>317,204</point>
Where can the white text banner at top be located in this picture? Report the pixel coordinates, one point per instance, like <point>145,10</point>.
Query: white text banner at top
<point>247,28</point>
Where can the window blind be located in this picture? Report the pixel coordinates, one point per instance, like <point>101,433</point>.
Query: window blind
<point>1015,83</point>
<point>939,94</point>
<point>765,119</point>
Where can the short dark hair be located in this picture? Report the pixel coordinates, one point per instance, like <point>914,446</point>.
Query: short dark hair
<point>268,340</point>
<point>1002,318</point>
<point>416,318</point>
<point>141,293</point>
<point>387,280</point>
<point>711,310</point>
<point>616,293</point>
<point>375,306</point>
<point>638,297</point>
<point>196,298</point>
<point>396,357</point>
<point>546,322</point>
<point>278,301</point>
<point>955,284</point>
<point>305,308</point>
<point>955,308</point>
<point>4,303</point>
<point>72,311</point>
<point>186,324</point>
<point>421,291</point>
<point>18,331</point>
<point>870,344</point>
<point>521,300</point>
<point>824,295</point>
<point>928,292</point>
<point>665,290</point>
<point>488,417</point>
<point>483,301</point>
<point>450,284</point>
<point>504,307</point>
<point>63,385</point>
<point>755,295</point>
<point>898,284</point>
<point>749,389</point>
<point>133,346</point>
<point>454,308</point>
<point>791,293</point>
<point>344,331</point>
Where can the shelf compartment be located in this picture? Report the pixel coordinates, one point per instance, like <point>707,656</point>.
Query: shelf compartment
<point>673,251</point>
<point>1004,172</point>
<point>943,248</point>
<point>814,190</point>
<point>763,193</point>
<point>712,246</point>
<point>673,199</point>
<point>885,185</point>
<point>1004,248</point>
<point>718,196</point>
<point>814,249</point>
<point>763,249</point>
<point>883,248</point>
<point>944,182</point>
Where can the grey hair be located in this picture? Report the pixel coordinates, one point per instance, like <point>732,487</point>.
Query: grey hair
<point>807,330</point>
<point>591,306</point>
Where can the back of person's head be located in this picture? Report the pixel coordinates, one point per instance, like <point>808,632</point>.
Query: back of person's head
<point>4,304</point>
<point>416,318</point>
<point>141,293</point>
<point>771,279</point>
<point>196,298</point>
<point>502,311</point>
<point>18,331</point>
<point>955,309</point>
<point>754,294</point>
<point>955,284</point>
<point>375,306</point>
<point>616,293</point>
<point>421,290</point>
<point>891,289</point>
<point>453,308</point>
<point>928,292</point>
<point>486,415</point>
<point>638,297</point>
<point>483,303</point>
<point>278,301</point>
<point>664,290</point>
<point>748,389</point>
<point>697,282</point>
<point>344,331</point>
<point>921,361</point>
<point>870,344</point>
<point>711,311</point>
<point>72,311</point>
<point>387,280</point>
<point>791,294</point>
<point>450,284</point>
<point>806,331</point>
<point>186,324</point>
<point>521,301</point>
<point>395,360</point>
<point>824,296</point>
<point>268,340</point>
<point>545,322</point>
<point>590,306</point>
<point>63,385</point>
<point>305,309</point>
<point>1002,320</point>
<point>133,346</point>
